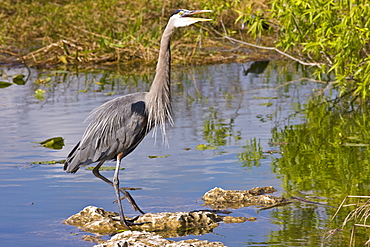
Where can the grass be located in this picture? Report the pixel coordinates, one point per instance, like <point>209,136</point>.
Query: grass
<point>111,31</point>
<point>356,220</point>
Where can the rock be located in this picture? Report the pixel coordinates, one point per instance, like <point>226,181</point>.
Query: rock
<point>93,239</point>
<point>98,221</point>
<point>95,220</point>
<point>178,220</point>
<point>220,199</point>
<point>143,238</point>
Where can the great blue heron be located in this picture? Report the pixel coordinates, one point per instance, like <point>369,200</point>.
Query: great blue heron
<point>119,125</point>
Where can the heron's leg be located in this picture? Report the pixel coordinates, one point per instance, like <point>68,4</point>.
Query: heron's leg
<point>117,190</point>
<point>98,175</point>
<point>126,193</point>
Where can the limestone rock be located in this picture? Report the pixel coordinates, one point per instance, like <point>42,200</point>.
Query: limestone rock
<point>98,221</point>
<point>178,220</point>
<point>95,220</point>
<point>146,239</point>
<point>219,198</point>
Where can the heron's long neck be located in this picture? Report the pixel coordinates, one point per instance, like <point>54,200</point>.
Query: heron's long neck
<point>159,97</point>
<point>163,71</point>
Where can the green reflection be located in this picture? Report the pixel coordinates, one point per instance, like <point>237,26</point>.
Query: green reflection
<point>325,158</point>
<point>218,131</point>
<point>252,154</point>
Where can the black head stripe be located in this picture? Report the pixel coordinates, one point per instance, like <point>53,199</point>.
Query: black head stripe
<point>177,11</point>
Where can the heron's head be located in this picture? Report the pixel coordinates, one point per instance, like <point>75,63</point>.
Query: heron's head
<point>181,17</point>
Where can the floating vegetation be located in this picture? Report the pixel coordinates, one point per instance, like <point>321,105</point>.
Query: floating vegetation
<point>53,143</point>
<point>158,156</point>
<point>19,79</point>
<point>50,162</point>
<point>39,94</point>
<point>203,147</point>
<point>266,104</point>
<point>16,80</point>
<point>4,84</point>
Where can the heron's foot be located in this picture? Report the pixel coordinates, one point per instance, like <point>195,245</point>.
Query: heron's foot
<point>130,222</point>
<point>127,196</point>
<point>132,202</point>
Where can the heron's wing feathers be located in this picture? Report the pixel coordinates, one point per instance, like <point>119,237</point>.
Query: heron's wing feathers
<point>117,126</point>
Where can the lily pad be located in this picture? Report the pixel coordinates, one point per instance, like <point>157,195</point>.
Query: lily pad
<point>53,143</point>
<point>4,84</point>
<point>19,79</point>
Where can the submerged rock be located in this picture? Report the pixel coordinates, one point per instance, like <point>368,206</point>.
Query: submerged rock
<point>141,239</point>
<point>219,198</point>
<point>98,221</point>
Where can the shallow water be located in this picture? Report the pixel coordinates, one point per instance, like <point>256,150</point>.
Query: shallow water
<point>224,106</point>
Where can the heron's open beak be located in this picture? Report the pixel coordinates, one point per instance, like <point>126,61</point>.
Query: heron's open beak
<point>193,12</point>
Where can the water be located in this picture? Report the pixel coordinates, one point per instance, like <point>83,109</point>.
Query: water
<point>223,106</point>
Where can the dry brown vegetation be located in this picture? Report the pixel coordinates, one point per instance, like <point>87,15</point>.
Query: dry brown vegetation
<point>101,32</point>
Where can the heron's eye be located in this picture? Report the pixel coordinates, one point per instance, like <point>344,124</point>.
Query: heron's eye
<point>181,12</point>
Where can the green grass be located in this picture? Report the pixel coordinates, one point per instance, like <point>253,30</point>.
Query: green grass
<point>106,31</point>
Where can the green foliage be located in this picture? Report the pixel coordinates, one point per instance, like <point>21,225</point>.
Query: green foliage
<point>333,33</point>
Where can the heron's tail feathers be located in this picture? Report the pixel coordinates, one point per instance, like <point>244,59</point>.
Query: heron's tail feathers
<point>70,165</point>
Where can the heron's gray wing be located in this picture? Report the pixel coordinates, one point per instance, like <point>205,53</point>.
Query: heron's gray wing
<point>117,126</point>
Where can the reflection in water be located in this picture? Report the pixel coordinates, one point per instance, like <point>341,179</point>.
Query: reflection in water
<point>236,112</point>
<point>216,131</point>
<point>255,67</point>
<point>252,153</point>
<point>326,158</point>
